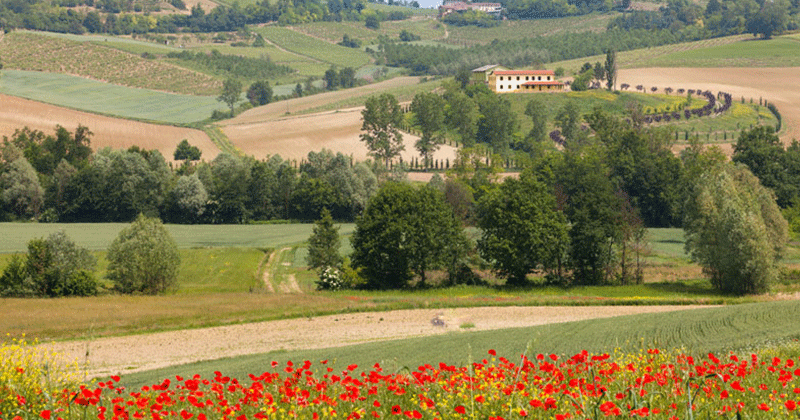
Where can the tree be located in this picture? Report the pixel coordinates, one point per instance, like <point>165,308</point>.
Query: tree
<point>428,109</point>
<point>735,230</point>
<point>404,232</point>
<point>259,93</point>
<point>462,116</point>
<point>521,229</point>
<point>331,78</point>
<point>143,258</point>
<point>186,151</point>
<point>382,118</point>
<point>323,245</point>
<point>538,113</point>
<point>762,151</point>
<point>188,199</point>
<point>53,267</point>
<point>611,69</point>
<point>568,119</point>
<point>231,90</point>
<point>21,191</point>
<point>581,82</point>
<point>773,18</point>
<point>372,22</point>
<point>497,122</point>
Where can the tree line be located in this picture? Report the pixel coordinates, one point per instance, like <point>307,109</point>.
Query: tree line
<point>118,17</point>
<point>58,178</point>
<point>573,217</point>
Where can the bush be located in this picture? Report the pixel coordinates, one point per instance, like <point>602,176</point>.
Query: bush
<point>143,258</point>
<point>54,267</point>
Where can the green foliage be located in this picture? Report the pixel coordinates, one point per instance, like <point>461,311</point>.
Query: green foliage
<point>581,82</point>
<point>372,21</point>
<point>428,109</point>
<point>323,245</point>
<point>259,93</point>
<point>143,258</point>
<point>407,36</point>
<point>497,123</point>
<point>538,113</point>
<point>471,17</point>
<point>185,151</point>
<point>404,232</point>
<point>521,229</point>
<point>231,91</point>
<point>54,267</point>
<point>20,190</point>
<point>771,19</point>
<point>349,42</point>
<point>778,169</point>
<point>382,118</point>
<point>735,230</point>
<point>187,200</point>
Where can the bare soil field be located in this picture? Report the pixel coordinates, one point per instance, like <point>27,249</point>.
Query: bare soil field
<point>276,129</point>
<point>16,113</point>
<point>113,355</point>
<point>780,86</point>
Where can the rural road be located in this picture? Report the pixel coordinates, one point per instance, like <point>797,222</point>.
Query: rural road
<point>126,354</point>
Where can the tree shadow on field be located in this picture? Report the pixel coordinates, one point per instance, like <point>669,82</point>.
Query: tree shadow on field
<point>683,288</point>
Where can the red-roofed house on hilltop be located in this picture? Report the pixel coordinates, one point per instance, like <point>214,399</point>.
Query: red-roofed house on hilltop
<point>494,9</point>
<point>502,80</point>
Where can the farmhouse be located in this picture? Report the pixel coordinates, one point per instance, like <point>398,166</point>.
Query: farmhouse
<point>502,80</point>
<point>493,9</point>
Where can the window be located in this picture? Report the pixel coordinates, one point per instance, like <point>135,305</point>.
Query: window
<point>501,78</point>
<point>527,78</point>
<point>540,77</point>
<point>517,77</point>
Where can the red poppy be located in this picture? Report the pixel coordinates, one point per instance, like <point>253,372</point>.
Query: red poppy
<point>790,405</point>
<point>396,410</point>
<point>460,409</point>
<point>45,414</point>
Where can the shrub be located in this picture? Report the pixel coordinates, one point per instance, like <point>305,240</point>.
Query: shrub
<point>143,258</point>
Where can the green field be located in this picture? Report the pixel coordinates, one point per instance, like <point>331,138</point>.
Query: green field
<point>427,29</point>
<point>697,332</point>
<point>98,236</point>
<point>107,99</point>
<point>516,29</point>
<point>307,46</point>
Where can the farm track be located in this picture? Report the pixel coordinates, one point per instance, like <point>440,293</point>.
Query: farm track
<point>119,355</point>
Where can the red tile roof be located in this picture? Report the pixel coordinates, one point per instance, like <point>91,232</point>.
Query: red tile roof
<point>524,72</point>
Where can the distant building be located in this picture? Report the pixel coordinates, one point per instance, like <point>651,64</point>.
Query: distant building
<point>502,80</point>
<point>448,7</point>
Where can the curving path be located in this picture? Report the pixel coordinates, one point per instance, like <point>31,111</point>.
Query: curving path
<point>117,355</point>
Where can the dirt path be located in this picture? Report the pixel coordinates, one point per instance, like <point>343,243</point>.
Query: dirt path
<point>112,355</point>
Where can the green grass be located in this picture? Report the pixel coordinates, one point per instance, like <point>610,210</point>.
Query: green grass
<point>107,99</point>
<point>427,29</point>
<point>316,49</point>
<point>711,130</point>
<point>698,331</point>
<point>98,236</point>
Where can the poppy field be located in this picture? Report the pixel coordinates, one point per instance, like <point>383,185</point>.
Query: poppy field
<point>651,383</point>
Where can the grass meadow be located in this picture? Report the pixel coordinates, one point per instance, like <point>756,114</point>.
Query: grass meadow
<point>108,99</point>
<point>697,332</point>
<point>222,282</point>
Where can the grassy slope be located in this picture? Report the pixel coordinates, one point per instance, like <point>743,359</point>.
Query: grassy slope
<point>98,236</point>
<point>108,99</point>
<point>697,331</point>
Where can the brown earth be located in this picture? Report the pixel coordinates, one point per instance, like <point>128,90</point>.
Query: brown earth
<point>780,86</point>
<point>272,129</point>
<point>116,133</point>
<point>119,355</point>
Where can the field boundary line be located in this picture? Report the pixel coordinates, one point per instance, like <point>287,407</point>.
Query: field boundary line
<point>221,140</point>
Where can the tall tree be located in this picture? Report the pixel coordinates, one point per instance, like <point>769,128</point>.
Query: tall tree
<point>323,245</point>
<point>428,109</point>
<point>231,91</point>
<point>611,69</point>
<point>382,118</point>
<point>404,232</point>
<point>521,229</point>
<point>20,189</point>
<point>568,119</point>
<point>185,151</point>
<point>497,122</point>
<point>538,113</point>
<point>735,230</point>
<point>462,116</point>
